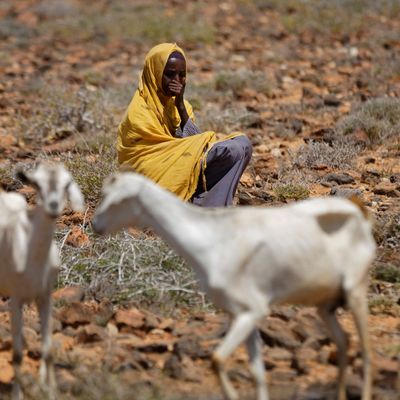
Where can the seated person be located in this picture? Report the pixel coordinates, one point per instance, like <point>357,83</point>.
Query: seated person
<point>158,137</point>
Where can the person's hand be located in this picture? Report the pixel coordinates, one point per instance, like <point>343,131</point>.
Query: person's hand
<point>178,89</point>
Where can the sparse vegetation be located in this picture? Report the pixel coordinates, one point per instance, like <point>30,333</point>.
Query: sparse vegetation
<point>291,192</point>
<point>125,268</point>
<point>268,68</point>
<point>340,154</point>
<point>378,119</point>
<point>383,304</point>
<point>228,120</point>
<point>237,81</point>
<point>131,22</point>
<point>387,230</point>
<point>63,112</point>
<point>387,273</point>
<point>338,16</point>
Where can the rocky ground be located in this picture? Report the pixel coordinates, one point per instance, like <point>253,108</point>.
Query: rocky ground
<point>315,85</point>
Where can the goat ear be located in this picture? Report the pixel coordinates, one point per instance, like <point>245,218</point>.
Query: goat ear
<point>75,197</point>
<point>26,177</point>
<point>22,176</point>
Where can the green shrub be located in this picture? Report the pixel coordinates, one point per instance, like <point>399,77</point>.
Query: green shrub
<point>291,192</point>
<point>386,272</point>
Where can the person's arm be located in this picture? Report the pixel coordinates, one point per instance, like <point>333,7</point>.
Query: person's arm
<point>178,88</point>
<point>180,105</point>
<point>189,129</point>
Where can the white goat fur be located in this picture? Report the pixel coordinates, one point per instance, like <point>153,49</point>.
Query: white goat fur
<point>30,258</point>
<point>314,252</point>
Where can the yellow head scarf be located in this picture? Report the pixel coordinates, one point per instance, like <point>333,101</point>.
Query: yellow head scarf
<point>145,135</point>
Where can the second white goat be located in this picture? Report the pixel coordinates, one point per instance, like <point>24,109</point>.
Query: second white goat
<point>30,259</point>
<point>314,252</point>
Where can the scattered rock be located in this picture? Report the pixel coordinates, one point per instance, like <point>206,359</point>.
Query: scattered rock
<point>91,333</point>
<point>339,178</point>
<point>66,381</point>
<point>332,101</point>
<point>191,346</point>
<point>75,314</point>
<point>345,192</point>
<point>370,177</point>
<point>6,370</point>
<point>69,294</point>
<point>387,189</point>
<point>132,318</point>
<point>275,332</point>
<point>77,237</point>
<point>182,368</point>
<point>308,325</point>
<point>302,359</point>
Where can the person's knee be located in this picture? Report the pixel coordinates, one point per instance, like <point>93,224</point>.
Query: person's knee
<point>240,148</point>
<point>247,146</point>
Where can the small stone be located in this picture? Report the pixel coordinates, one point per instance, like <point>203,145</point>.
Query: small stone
<point>75,314</point>
<point>91,333</point>
<point>387,189</point>
<point>6,371</point>
<point>132,318</point>
<point>69,294</point>
<point>275,332</point>
<point>340,179</point>
<point>77,237</point>
<point>345,192</point>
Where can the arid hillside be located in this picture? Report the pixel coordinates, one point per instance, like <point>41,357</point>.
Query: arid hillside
<point>315,85</point>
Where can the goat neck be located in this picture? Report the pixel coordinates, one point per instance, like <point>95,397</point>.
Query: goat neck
<point>40,237</point>
<point>182,225</point>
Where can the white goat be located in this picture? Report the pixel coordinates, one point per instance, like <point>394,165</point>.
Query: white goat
<point>314,252</point>
<point>29,256</point>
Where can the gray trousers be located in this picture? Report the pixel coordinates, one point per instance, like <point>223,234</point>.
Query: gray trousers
<point>226,162</point>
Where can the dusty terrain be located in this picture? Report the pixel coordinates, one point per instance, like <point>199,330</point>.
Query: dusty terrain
<point>315,85</point>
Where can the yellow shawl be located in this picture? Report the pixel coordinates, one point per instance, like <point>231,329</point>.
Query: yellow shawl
<point>145,135</point>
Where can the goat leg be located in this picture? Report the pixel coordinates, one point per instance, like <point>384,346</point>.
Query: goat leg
<point>254,349</point>
<point>241,328</point>
<point>16,329</point>
<point>359,308</point>
<point>338,335</point>
<point>46,371</point>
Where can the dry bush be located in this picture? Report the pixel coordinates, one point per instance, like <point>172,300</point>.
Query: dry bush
<point>387,230</point>
<point>126,268</point>
<point>340,154</point>
<point>378,118</point>
<point>62,112</point>
<point>91,118</point>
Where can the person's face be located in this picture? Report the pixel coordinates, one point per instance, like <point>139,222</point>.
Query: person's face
<point>174,76</point>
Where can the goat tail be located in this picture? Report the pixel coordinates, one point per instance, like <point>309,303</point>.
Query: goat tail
<point>358,201</point>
